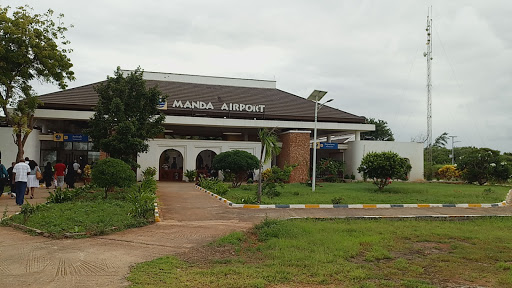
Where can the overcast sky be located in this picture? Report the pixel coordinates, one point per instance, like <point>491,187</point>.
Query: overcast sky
<point>368,55</point>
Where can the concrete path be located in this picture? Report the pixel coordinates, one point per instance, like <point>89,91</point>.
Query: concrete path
<point>189,218</point>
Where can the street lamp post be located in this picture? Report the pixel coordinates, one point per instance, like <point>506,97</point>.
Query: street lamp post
<point>316,96</point>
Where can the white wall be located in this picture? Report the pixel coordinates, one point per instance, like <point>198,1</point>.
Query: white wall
<point>413,151</point>
<point>190,149</point>
<point>10,150</point>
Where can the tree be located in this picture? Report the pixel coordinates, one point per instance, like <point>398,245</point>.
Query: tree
<point>237,162</point>
<point>480,164</point>
<point>441,140</point>
<point>269,147</point>
<point>384,166</point>
<point>126,116</point>
<point>382,131</point>
<point>29,50</point>
<point>110,172</point>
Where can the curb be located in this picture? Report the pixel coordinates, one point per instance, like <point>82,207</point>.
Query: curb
<point>356,206</point>
<point>157,213</point>
<point>436,217</point>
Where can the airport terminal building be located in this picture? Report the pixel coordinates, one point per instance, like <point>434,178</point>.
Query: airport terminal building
<point>205,116</point>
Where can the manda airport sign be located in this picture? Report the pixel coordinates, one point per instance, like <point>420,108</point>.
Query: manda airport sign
<point>209,106</point>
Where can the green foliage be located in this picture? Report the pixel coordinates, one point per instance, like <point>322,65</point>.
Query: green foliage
<point>331,166</point>
<point>238,162</point>
<point>384,166</point>
<point>28,210</point>
<point>441,140</point>
<point>269,147</point>
<point>149,173</point>
<point>276,177</point>
<point>481,165</point>
<point>213,185</point>
<point>126,116</point>
<point>110,172</point>
<point>60,196</point>
<point>346,253</point>
<point>382,131</point>
<point>332,179</point>
<point>142,199</point>
<point>29,50</point>
<point>191,175</point>
<point>337,200</point>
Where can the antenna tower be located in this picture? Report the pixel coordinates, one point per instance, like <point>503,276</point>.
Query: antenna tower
<point>428,55</point>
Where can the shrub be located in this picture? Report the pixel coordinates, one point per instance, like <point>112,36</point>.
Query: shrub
<point>276,176</point>
<point>332,179</point>
<point>331,166</point>
<point>191,175</point>
<point>110,172</point>
<point>384,166</point>
<point>213,185</point>
<point>238,162</point>
<point>60,196</point>
<point>337,200</point>
<point>27,210</point>
<point>448,172</point>
<point>142,201</point>
<point>149,173</point>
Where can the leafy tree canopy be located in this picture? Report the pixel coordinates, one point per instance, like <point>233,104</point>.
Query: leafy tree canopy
<point>382,131</point>
<point>238,162</point>
<point>441,140</point>
<point>32,47</point>
<point>126,116</point>
<point>483,164</point>
<point>384,166</point>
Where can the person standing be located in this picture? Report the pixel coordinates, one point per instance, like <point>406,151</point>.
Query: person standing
<point>4,176</point>
<point>70,177</point>
<point>76,168</point>
<point>48,175</point>
<point>20,172</point>
<point>11,180</point>
<point>60,171</point>
<point>33,182</point>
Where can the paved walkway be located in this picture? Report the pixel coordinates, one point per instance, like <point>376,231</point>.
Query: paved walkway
<point>189,218</point>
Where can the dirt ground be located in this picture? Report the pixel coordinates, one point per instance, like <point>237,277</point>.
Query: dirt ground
<point>190,219</point>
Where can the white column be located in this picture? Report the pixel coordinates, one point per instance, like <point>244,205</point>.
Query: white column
<point>357,136</point>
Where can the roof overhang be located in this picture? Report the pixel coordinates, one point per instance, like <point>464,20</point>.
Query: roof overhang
<point>50,114</point>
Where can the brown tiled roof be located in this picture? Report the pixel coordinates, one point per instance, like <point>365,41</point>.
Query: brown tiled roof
<point>279,105</point>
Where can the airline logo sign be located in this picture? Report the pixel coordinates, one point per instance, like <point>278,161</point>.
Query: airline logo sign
<point>162,105</point>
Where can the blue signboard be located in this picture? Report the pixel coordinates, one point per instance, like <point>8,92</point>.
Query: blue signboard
<point>328,145</point>
<point>76,138</point>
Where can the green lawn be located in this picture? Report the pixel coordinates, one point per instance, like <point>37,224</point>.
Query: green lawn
<point>346,253</point>
<point>367,193</point>
<point>89,213</point>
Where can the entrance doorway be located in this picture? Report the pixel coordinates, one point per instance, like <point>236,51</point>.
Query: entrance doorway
<point>204,161</point>
<point>171,165</point>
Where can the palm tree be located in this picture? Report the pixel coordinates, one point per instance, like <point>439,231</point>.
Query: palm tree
<point>269,147</point>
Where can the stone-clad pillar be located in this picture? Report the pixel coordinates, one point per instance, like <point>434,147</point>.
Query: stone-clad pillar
<point>296,150</point>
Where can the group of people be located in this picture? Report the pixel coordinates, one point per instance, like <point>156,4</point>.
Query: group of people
<point>23,177</point>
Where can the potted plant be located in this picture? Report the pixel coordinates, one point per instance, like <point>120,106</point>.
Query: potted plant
<point>87,174</point>
<point>191,175</point>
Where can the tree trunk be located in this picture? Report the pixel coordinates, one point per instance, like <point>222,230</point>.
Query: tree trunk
<point>19,143</point>
<point>260,176</point>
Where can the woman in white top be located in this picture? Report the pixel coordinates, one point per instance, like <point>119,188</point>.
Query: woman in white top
<point>32,182</point>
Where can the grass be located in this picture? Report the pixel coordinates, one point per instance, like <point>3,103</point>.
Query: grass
<point>89,213</point>
<point>347,253</point>
<point>367,193</point>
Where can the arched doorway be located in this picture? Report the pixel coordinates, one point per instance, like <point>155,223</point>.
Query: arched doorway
<point>204,161</point>
<point>171,165</point>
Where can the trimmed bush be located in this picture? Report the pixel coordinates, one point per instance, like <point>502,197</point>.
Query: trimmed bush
<point>237,162</point>
<point>384,166</point>
<point>110,172</point>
